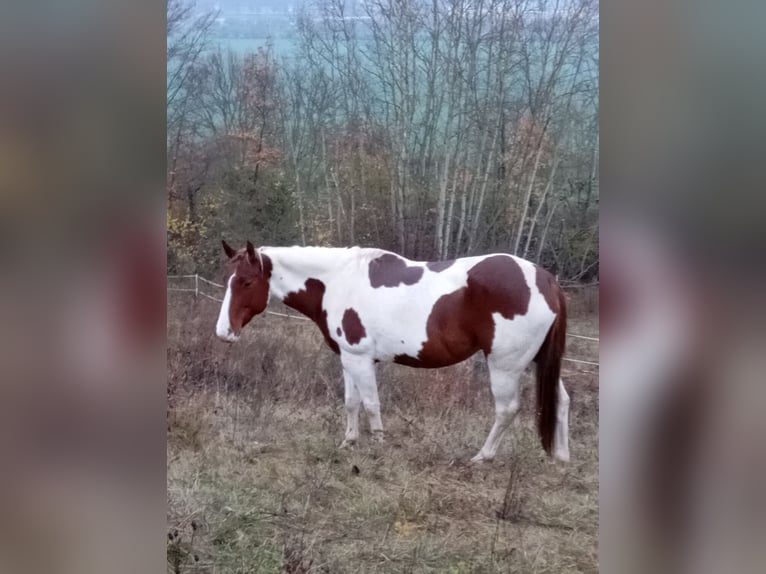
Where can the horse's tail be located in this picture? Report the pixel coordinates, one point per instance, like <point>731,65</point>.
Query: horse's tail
<point>548,371</point>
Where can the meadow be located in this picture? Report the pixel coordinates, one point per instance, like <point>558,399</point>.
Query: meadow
<point>257,483</point>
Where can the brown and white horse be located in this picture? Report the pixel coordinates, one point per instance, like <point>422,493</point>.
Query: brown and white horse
<point>373,305</point>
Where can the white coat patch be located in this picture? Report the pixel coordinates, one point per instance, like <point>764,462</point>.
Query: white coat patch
<point>223,326</point>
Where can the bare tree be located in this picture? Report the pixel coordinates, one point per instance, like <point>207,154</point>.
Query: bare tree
<point>187,35</point>
<point>437,128</point>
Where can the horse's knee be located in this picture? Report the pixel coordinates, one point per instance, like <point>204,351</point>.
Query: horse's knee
<point>352,412</point>
<point>352,404</point>
<point>507,409</point>
<point>372,407</point>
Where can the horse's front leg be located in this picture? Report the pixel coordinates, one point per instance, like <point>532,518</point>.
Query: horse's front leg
<point>353,402</point>
<point>360,370</point>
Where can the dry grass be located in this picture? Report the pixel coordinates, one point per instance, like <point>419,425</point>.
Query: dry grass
<point>256,482</point>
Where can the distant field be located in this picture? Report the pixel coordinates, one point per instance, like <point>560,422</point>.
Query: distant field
<point>256,482</point>
<point>283,47</point>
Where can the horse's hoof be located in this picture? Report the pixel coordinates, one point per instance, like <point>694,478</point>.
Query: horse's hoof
<point>561,455</point>
<point>347,444</point>
<point>479,459</point>
<point>377,437</point>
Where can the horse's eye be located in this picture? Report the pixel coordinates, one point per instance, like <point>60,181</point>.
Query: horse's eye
<point>247,283</point>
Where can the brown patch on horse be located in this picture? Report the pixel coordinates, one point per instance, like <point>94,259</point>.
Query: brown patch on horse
<point>309,302</point>
<point>241,264</point>
<point>461,322</point>
<point>390,270</point>
<point>409,361</point>
<point>352,326</point>
<point>549,288</point>
<point>250,288</point>
<point>439,266</point>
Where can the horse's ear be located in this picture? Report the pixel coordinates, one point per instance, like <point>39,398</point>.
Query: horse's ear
<point>251,253</point>
<point>227,248</point>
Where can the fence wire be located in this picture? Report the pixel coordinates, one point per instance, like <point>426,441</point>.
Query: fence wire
<point>199,293</point>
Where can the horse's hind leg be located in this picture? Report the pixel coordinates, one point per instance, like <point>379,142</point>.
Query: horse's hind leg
<point>505,389</point>
<point>561,440</point>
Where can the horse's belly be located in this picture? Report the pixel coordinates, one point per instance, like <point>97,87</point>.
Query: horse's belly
<point>440,352</point>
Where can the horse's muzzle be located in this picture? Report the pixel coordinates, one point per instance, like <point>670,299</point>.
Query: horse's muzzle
<point>227,335</point>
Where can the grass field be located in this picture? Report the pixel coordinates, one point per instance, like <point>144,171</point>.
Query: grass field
<point>256,482</point>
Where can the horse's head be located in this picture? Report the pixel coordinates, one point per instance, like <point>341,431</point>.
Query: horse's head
<point>247,290</point>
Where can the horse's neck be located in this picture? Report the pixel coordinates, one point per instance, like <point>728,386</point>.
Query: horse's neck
<point>293,266</point>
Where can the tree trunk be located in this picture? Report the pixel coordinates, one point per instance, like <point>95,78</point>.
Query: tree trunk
<point>528,194</point>
<point>540,204</point>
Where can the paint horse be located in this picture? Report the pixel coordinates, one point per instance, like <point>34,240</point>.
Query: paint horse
<point>373,305</point>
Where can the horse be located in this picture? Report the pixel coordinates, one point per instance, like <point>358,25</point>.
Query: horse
<point>373,305</point>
